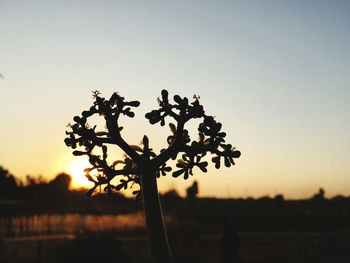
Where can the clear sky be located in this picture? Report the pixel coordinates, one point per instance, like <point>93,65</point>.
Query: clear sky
<point>275,73</point>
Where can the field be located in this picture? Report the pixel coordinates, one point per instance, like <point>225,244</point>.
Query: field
<point>254,247</point>
<point>193,238</point>
<point>71,228</point>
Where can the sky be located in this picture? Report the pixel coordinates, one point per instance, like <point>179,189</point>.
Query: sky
<point>275,73</point>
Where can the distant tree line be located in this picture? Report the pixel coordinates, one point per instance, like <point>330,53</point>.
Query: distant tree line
<point>37,195</point>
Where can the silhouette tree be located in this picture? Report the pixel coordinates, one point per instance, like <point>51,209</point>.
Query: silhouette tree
<point>8,185</point>
<point>61,182</point>
<point>192,191</point>
<point>319,195</point>
<point>142,166</point>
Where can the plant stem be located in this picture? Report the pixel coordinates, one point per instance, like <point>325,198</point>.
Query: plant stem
<point>154,218</point>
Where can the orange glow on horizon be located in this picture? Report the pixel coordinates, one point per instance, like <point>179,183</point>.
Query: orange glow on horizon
<point>76,170</point>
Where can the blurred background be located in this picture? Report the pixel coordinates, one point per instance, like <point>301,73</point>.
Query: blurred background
<point>275,74</point>
<point>46,221</point>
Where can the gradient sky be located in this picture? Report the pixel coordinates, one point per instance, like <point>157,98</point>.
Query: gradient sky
<point>275,73</point>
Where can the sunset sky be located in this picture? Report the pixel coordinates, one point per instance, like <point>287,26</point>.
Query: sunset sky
<point>275,73</point>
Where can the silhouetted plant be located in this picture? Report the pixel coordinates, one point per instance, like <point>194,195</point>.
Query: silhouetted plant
<point>142,166</point>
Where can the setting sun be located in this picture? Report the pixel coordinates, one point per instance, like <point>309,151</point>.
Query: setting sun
<point>76,169</point>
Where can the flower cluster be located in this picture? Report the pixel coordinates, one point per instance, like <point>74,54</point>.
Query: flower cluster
<point>93,143</point>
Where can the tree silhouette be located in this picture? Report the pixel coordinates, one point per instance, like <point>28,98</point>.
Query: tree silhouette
<point>142,166</point>
<point>192,191</point>
<point>61,182</point>
<point>8,185</point>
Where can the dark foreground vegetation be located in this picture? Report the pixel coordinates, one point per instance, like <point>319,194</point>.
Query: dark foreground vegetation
<point>46,222</point>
